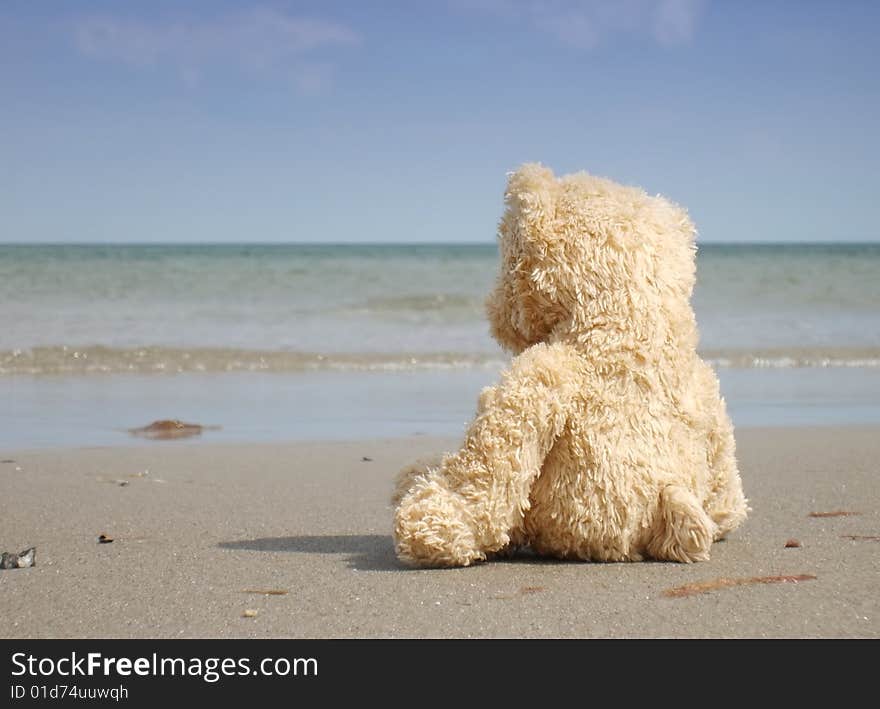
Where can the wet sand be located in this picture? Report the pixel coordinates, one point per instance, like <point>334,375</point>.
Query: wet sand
<point>197,527</point>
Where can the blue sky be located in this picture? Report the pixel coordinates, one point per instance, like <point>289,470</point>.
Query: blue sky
<point>397,121</point>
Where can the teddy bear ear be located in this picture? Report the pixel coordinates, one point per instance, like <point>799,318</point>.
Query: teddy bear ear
<point>530,196</point>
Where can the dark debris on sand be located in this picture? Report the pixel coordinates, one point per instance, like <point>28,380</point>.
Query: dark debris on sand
<point>169,429</point>
<point>23,560</point>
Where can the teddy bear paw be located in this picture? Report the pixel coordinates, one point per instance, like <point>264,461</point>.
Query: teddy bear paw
<point>683,531</point>
<point>430,529</point>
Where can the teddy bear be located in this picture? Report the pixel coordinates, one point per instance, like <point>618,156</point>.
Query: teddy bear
<point>606,438</point>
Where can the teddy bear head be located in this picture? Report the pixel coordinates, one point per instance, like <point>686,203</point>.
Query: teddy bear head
<point>582,255</point>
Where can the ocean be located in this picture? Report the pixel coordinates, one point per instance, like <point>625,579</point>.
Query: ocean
<point>274,342</point>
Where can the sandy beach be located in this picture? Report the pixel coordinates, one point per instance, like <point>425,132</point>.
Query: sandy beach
<point>201,531</point>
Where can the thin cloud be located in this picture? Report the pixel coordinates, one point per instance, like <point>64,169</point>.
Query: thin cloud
<point>586,24</point>
<point>256,41</point>
<point>675,21</point>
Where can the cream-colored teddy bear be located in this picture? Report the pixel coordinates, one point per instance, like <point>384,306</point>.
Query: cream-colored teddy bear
<point>606,439</point>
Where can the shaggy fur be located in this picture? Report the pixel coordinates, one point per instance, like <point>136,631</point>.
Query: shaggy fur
<point>607,438</point>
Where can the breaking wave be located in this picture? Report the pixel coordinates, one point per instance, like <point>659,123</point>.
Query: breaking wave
<point>67,360</point>
<point>169,360</point>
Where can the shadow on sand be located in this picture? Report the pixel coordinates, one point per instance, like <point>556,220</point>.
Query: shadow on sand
<point>367,552</point>
<point>364,552</point>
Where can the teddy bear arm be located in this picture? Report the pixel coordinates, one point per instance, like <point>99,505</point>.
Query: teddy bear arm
<point>468,507</point>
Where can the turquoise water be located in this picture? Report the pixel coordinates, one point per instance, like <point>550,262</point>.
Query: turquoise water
<point>289,307</point>
<point>90,336</point>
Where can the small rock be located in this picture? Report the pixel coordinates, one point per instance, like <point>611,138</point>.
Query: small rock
<point>24,560</point>
<point>792,544</point>
<point>105,539</point>
<point>366,460</point>
<point>250,613</point>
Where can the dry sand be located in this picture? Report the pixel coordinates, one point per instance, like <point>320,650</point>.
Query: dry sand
<point>208,523</point>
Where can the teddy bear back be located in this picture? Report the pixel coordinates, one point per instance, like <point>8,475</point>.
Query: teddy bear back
<point>590,261</point>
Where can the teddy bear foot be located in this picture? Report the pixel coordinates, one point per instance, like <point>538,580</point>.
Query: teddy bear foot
<point>430,529</point>
<point>683,531</point>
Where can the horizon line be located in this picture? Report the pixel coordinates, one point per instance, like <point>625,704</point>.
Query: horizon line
<point>397,243</point>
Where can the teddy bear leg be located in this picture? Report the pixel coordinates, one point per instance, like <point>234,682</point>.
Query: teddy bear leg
<point>408,476</point>
<point>682,530</point>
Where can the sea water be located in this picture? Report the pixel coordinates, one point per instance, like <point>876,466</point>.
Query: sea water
<point>275,342</point>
